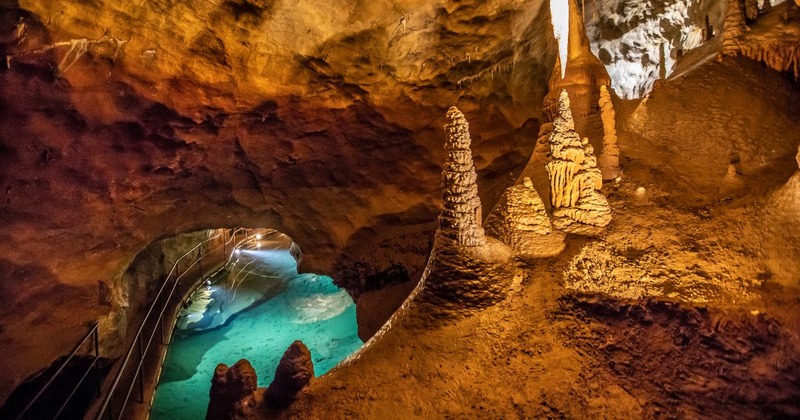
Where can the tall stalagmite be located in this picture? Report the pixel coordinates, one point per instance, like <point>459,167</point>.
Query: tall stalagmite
<point>461,218</point>
<point>608,161</point>
<point>583,78</point>
<point>466,270</point>
<point>575,180</point>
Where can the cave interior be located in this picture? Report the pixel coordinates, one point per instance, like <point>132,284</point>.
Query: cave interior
<point>540,209</point>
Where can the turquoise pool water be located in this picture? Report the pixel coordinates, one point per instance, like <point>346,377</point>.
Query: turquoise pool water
<point>288,306</point>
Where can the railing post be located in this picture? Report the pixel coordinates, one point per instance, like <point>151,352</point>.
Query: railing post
<point>97,357</point>
<point>139,371</point>
<point>200,262</point>
<point>161,320</point>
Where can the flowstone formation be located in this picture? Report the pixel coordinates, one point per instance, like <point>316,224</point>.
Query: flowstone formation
<point>466,270</point>
<point>575,180</point>
<point>520,220</point>
<point>770,35</point>
<point>609,159</point>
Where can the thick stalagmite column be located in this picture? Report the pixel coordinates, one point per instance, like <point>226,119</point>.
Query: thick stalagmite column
<point>575,181</point>
<point>609,160</point>
<point>461,218</point>
<point>466,271</point>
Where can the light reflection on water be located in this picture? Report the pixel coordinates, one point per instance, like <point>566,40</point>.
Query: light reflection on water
<point>307,307</point>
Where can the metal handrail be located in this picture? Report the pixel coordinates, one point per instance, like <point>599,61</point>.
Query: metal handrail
<point>93,331</point>
<point>137,340</point>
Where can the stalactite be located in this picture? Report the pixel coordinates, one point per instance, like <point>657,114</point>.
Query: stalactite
<point>460,220</point>
<point>609,159</point>
<point>575,180</point>
<point>778,54</point>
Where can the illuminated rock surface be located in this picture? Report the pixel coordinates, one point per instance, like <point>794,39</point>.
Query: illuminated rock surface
<point>520,220</point>
<point>123,123</point>
<point>773,40</point>
<point>466,270</point>
<point>608,161</point>
<point>575,180</point>
<point>233,391</point>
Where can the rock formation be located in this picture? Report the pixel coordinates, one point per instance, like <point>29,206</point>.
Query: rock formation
<point>733,27</point>
<point>575,180</point>
<point>466,270</point>
<point>609,159</point>
<point>295,371</point>
<point>751,10</point>
<point>582,78</point>
<point>460,220</point>
<point>520,220</point>
<point>780,51</point>
<point>233,392</point>
<point>798,156</point>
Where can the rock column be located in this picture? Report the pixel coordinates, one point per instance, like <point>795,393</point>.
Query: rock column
<point>233,392</point>
<point>609,160</point>
<point>732,27</point>
<point>460,220</point>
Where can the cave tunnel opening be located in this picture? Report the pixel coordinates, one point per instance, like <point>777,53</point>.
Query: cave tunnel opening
<point>253,306</point>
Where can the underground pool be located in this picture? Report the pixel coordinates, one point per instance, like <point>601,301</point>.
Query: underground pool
<point>254,309</point>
